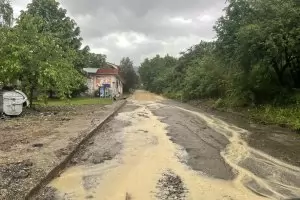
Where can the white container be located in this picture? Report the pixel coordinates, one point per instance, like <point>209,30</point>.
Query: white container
<point>13,102</point>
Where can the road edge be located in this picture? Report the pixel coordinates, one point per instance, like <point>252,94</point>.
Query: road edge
<point>63,164</point>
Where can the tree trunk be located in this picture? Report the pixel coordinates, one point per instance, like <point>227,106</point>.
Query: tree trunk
<point>51,94</point>
<point>278,73</point>
<point>280,70</point>
<point>31,96</point>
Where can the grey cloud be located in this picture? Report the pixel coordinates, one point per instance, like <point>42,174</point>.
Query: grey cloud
<point>139,7</point>
<point>105,24</point>
<point>154,23</point>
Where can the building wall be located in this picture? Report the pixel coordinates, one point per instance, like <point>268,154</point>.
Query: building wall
<point>94,82</point>
<point>90,85</point>
<point>119,87</point>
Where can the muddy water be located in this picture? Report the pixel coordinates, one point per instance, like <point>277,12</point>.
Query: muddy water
<point>258,171</point>
<point>148,153</point>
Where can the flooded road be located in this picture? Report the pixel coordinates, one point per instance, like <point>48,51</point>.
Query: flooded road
<point>158,150</point>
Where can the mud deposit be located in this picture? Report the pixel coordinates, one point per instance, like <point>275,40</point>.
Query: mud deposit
<point>32,145</point>
<point>152,150</point>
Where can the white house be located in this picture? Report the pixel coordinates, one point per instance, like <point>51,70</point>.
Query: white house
<point>107,80</point>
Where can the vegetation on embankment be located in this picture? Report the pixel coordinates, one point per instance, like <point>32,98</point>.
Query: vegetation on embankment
<point>283,116</point>
<point>254,63</point>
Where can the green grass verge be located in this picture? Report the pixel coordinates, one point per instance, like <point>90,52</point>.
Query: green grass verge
<point>284,116</point>
<point>75,102</point>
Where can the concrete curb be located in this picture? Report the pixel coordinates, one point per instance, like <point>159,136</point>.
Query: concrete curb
<point>63,164</point>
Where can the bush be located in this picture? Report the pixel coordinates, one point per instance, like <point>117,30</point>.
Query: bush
<point>204,79</point>
<point>220,103</point>
<point>77,92</point>
<point>174,95</point>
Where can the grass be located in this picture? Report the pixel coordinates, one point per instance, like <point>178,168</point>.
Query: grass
<point>75,102</point>
<point>288,116</point>
<point>285,116</point>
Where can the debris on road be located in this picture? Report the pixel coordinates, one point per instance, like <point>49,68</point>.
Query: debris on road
<point>171,187</point>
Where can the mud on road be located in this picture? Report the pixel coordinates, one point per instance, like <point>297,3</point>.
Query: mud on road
<point>33,145</point>
<point>155,149</point>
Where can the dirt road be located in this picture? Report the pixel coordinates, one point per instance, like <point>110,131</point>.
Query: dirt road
<point>157,149</point>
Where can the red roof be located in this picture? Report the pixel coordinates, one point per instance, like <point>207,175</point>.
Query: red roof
<point>108,72</point>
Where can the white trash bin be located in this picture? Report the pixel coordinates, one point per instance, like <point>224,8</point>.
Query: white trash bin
<point>13,102</point>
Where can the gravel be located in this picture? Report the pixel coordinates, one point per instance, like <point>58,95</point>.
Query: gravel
<point>171,187</point>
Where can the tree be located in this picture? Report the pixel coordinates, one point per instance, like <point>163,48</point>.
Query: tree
<point>237,14</point>
<point>56,22</point>
<point>128,73</point>
<point>255,58</point>
<point>10,66</point>
<point>205,74</point>
<point>45,64</point>
<point>6,13</point>
<point>264,32</point>
<point>96,60</point>
<point>276,38</point>
<point>59,25</point>
<point>157,74</point>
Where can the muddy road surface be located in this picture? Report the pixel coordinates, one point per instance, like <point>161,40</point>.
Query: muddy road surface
<point>156,149</point>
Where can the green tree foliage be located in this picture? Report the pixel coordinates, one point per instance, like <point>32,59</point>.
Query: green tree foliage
<point>255,59</point>
<point>195,74</point>
<point>6,13</point>
<point>86,59</point>
<point>262,39</point>
<point>204,79</point>
<point>128,73</point>
<point>273,39</point>
<point>56,22</point>
<point>96,60</point>
<point>156,73</point>
<point>10,66</point>
<point>41,52</point>
<point>46,66</point>
<point>61,26</point>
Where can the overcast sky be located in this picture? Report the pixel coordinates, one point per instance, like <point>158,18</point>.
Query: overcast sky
<point>141,28</point>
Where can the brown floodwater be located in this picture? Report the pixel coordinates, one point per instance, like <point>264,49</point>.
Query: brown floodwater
<point>148,152</point>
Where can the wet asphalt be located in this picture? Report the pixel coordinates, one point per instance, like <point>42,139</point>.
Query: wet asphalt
<point>273,153</point>
<point>202,144</point>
